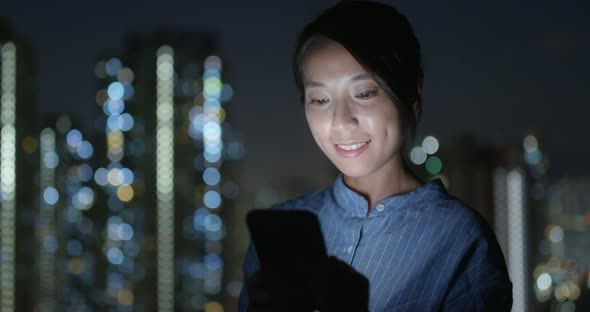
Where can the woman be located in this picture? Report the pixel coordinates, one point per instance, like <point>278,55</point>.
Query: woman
<point>358,67</point>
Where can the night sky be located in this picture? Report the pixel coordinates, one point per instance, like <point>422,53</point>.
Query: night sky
<point>493,69</point>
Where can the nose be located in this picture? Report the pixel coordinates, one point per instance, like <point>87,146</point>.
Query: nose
<point>344,116</point>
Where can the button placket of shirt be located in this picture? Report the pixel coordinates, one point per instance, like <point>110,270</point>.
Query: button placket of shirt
<point>380,207</point>
<point>351,250</point>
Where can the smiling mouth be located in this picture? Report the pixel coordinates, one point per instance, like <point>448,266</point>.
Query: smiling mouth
<point>352,147</point>
<point>349,150</point>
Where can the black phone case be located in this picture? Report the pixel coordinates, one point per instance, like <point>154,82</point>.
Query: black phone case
<point>286,241</point>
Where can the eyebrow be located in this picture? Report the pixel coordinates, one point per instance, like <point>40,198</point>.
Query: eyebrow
<point>312,83</point>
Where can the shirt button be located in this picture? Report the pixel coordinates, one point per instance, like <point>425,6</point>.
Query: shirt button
<point>349,250</point>
<point>380,207</point>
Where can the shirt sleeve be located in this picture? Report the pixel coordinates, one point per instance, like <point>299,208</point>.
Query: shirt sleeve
<point>250,266</point>
<point>482,282</point>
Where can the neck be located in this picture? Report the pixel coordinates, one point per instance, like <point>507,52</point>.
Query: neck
<point>390,180</point>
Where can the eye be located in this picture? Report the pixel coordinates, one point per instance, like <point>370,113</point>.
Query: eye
<point>367,94</point>
<point>318,101</point>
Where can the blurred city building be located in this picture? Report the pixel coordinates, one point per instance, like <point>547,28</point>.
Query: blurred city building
<point>562,270</point>
<point>165,104</point>
<point>132,213</point>
<point>17,163</point>
<point>69,218</point>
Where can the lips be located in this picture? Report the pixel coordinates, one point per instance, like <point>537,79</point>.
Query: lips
<point>352,149</point>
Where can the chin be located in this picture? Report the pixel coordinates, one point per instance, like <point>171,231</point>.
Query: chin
<point>354,171</point>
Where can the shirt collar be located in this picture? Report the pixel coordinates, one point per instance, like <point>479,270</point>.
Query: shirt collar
<point>355,204</point>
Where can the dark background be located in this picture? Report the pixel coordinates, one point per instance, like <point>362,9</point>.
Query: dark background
<point>493,69</point>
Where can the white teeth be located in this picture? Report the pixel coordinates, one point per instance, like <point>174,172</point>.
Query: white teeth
<point>352,147</point>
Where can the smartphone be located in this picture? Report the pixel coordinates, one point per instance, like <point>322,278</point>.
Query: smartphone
<point>286,241</point>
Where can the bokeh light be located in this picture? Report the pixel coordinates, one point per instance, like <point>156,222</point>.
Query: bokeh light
<point>29,144</point>
<point>51,160</point>
<point>84,198</point>
<point>74,138</point>
<point>114,107</point>
<point>113,66</point>
<point>530,143</point>
<point>84,172</point>
<point>430,145</point>
<point>50,195</point>
<point>115,255</point>
<point>125,231</point>
<point>74,248</point>
<point>227,92</point>
<point>213,306</point>
<point>213,222</point>
<point>125,75</point>
<point>213,63</point>
<point>212,199</point>
<point>211,176</point>
<point>533,157</point>
<point>544,281</point>
<point>128,176</point>
<point>125,193</point>
<point>115,176</point>
<point>125,297</point>
<point>418,155</point>
<point>433,165</point>
<point>212,157</point>
<point>556,234</point>
<point>85,150</point>
<point>101,176</point>
<point>101,97</point>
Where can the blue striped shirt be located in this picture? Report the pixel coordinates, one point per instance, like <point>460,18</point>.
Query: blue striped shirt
<point>421,251</point>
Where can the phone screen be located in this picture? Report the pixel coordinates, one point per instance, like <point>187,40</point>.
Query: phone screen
<point>286,240</point>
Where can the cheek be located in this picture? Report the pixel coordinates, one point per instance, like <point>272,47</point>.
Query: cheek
<point>394,132</point>
<point>316,123</point>
<point>384,122</point>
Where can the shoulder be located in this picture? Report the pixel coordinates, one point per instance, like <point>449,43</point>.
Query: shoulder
<point>477,266</point>
<point>462,231</point>
<point>454,217</point>
<point>312,201</point>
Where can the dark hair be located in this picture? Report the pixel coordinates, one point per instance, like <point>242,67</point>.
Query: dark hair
<point>383,42</point>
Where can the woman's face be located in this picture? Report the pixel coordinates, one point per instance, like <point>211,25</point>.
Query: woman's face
<point>354,122</point>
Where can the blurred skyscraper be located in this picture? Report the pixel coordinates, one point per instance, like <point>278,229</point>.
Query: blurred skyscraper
<point>164,100</point>
<point>69,218</point>
<point>562,271</point>
<point>17,146</point>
